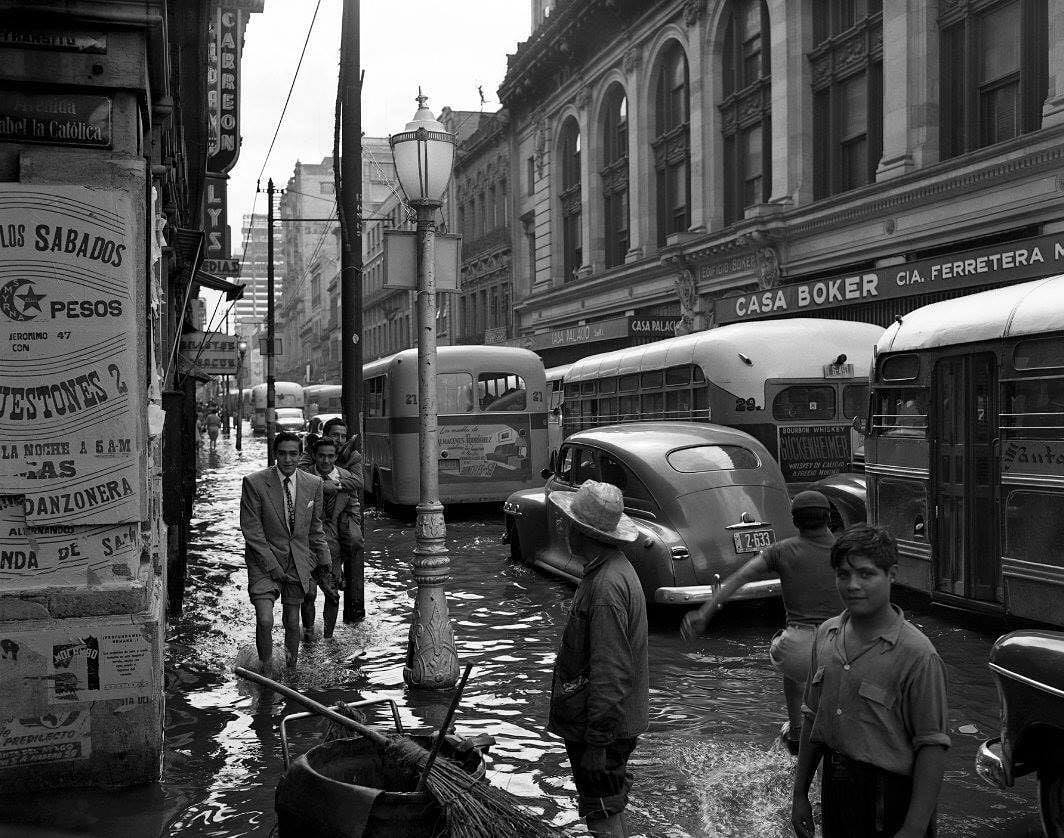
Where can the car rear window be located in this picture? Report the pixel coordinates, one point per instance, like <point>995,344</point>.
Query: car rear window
<point>712,458</point>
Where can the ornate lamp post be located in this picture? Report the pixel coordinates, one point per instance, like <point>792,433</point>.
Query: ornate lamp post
<point>424,156</point>
<point>242,348</point>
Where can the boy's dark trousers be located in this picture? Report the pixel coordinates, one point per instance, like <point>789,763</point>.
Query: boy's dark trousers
<point>861,800</point>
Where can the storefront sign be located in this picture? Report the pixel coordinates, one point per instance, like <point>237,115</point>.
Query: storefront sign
<point>617,327</point>
<point>208,353</point>
<point>494,336</point>
<point>215,211</point>
<point>1019,260</point>
<point>60,119</point>
<point>221,267</point>
<point>225,38</point>
<point>743,264</point>
<point>652,327</point>
<point>810,452</point>
<point>40,557</point>
<point>69,370</point>
<point>1033,456</point>
<point>59,40</point>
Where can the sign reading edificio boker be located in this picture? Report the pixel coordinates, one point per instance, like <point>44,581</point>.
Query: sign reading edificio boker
<point>68,330</point>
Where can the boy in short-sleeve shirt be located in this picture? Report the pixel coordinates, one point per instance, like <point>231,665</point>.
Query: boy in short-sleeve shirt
<point>875,707</point>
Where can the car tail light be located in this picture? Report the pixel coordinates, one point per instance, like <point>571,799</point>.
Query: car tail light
<point>680,553</point>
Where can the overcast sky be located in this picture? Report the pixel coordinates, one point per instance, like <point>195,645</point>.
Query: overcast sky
<point>447,48</point>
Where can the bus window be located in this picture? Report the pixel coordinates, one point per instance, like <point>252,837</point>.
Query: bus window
<point>1043,353</point>
<point>902,508</point>
<point>804,403</point>
<point>1034,403</point>
<point>499,391</point>
<point>628,408</point>
<point>900,368</point>
<point>628,383</point>
<point>677,376</point>
<point>587,388</point>
<point>608,385</point>
<point>677,404</point>
<point>374,398</point>
<point>702,410</point>
<point>454,392</point>
<point>607,409</point>
<point>652,380</point>
<point>1034,542</point>
<point>900,411</point>
<point>653,405</point>
<point>854,400</point>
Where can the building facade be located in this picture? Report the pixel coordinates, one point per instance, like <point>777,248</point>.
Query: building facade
<point>481,311</point>
<point>250,310</point>
<point>681,164</point>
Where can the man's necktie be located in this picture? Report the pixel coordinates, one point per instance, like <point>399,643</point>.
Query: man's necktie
<point>289,506</point>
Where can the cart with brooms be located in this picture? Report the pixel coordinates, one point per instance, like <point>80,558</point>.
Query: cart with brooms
<point>390,785</point>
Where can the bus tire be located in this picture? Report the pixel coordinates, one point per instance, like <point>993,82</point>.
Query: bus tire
<point>1051,800</point>
<point>515,542</point>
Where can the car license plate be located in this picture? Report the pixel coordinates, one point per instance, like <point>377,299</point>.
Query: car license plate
<point>751,541</point>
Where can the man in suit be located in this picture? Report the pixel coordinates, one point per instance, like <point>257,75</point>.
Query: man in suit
<point>285,547</point>
<point>340,520</point>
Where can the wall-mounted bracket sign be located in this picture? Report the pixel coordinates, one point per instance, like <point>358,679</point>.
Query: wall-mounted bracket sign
<point>55,40</point>
<point>79,119</point>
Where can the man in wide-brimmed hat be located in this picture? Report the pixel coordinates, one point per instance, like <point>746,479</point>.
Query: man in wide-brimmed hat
<point>601,685</point>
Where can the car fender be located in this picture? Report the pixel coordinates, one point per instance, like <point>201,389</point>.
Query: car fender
<point>848,493</point>
<point>526,515</point>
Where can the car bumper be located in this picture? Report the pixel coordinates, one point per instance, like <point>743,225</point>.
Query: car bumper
<point>695,594</point>
<point>990,764</point>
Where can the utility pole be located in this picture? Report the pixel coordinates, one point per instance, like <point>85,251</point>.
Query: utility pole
<point>271,391</point>
<point>349,212</point>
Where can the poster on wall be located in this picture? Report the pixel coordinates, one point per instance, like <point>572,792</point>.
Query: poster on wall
<point>483,450</point>
<point>40,669</point>
<point>52,737</point>
<point>47,556</point>
<point>69,421</point>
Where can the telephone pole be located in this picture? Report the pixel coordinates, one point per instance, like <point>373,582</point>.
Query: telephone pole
<point>349,212</point>
<point>271,391</point>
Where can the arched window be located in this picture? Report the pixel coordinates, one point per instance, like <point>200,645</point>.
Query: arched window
<point>615,175</point>
<point>569,152</point>
<point>995,66</point>
<point>672,145</point>
<point>746,109</point>
<point>847,65</point>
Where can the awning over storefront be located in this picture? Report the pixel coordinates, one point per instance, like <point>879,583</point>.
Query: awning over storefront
<point>231,290</point>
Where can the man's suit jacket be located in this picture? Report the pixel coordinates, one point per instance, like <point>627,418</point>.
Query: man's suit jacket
<point>267,542</point>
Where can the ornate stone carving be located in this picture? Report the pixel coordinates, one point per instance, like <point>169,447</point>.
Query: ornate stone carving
<point>768,268</point>
<point>582,100</point>
<point>693,10</point>
<point>632,59</point>
<point>540,144</point>
<point>691,319</point>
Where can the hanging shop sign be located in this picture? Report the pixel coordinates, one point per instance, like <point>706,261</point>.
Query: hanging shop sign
<point>56,40</point>
<point>1012,262</point>
<point>215,195</point>
<point>400,260</point>
<point>208,353</point>
<point>75,119</point>
<point>225,36</point>
<point>70,379</point>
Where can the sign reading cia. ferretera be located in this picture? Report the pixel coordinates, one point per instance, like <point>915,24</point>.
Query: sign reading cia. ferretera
<point>68,424</point>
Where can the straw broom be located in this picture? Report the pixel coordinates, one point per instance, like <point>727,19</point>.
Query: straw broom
<point>472,809</point>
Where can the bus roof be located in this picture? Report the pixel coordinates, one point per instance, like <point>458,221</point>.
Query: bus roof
<point>554,373</point>
<point>458,357</point>
<point>792,348</point>
<point>1028,308</point>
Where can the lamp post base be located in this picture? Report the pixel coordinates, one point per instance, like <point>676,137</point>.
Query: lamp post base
<point>431,657</point>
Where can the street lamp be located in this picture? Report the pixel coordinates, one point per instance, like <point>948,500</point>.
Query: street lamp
<point>424,156</point>
<point>242,348</point>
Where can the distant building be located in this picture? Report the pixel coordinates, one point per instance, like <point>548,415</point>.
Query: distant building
<point>250,310</point>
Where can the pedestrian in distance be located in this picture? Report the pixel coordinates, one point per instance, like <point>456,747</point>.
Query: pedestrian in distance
<point>340,522</point>
<point>875,710</point>
<point>807,582</point>
<point>284,544</point>
<point>213,423</point>
<point>601,686</point>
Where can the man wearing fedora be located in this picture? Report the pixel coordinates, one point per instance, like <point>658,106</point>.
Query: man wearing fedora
<point>601,687</point>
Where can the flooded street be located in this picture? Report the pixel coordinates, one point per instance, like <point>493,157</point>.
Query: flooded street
<point>707,767</point>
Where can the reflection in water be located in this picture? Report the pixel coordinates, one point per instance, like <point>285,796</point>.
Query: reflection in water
<point>708,766</point>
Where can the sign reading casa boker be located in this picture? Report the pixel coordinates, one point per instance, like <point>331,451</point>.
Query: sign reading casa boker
<point>69,427</point>
<point>1024,259</point>
<point>208,353</point>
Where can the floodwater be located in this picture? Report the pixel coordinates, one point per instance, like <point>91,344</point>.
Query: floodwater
<point>708,766</point>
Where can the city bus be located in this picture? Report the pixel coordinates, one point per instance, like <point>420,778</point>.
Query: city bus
<point>793,384</point>
<point>286,394</point>
<point>965,452</point>
<point>555,400</point>
<point>322,398</point>
<point>492,419</point>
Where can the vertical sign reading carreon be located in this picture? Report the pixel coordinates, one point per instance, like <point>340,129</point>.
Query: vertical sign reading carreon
<point>68,333</point>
